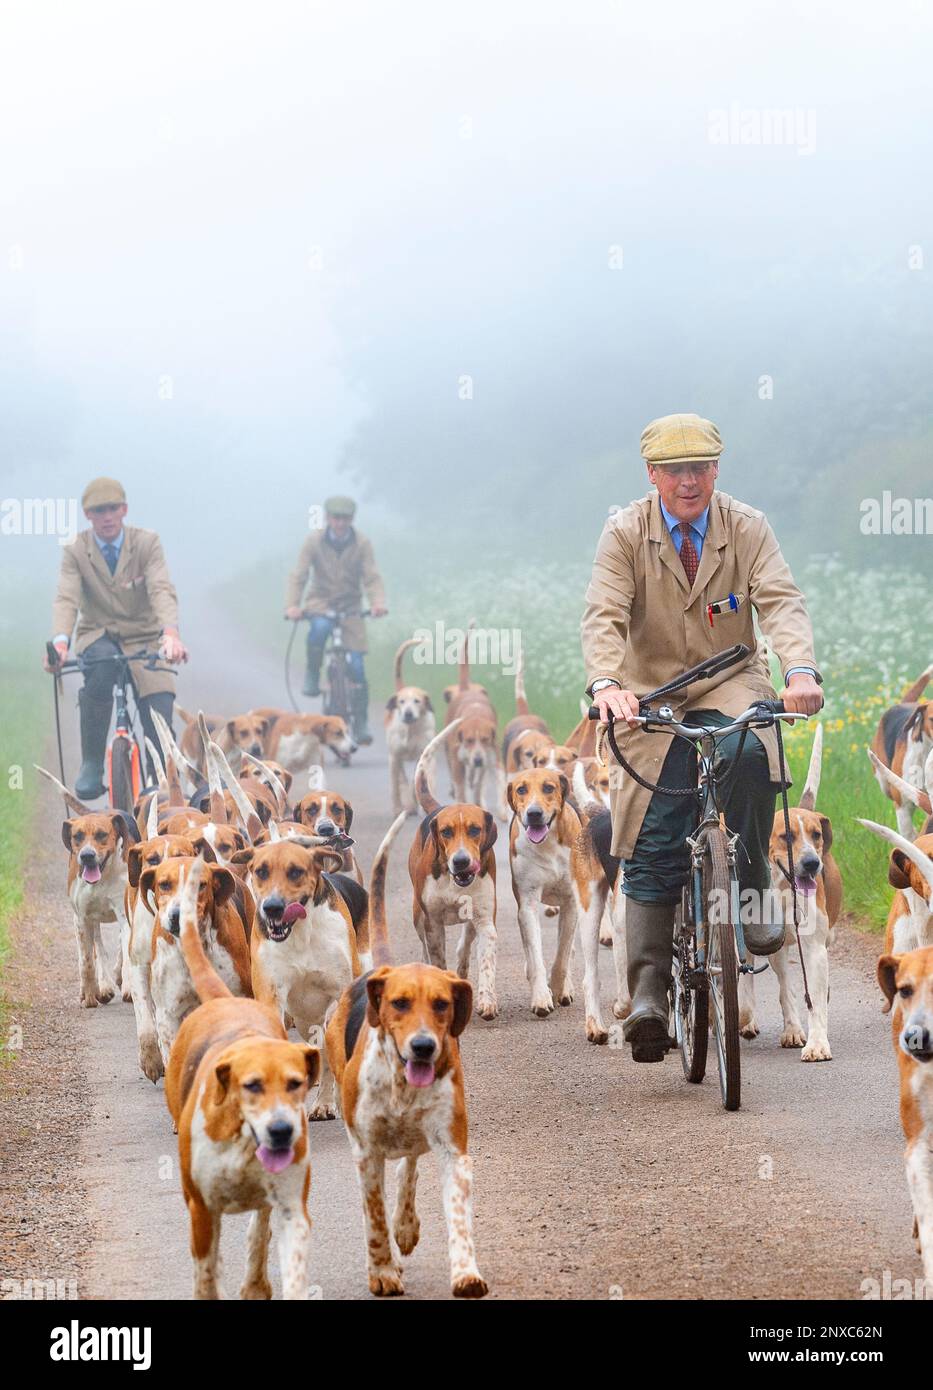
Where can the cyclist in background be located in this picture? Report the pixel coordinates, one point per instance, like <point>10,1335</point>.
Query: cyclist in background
<point>679,575</point>
<point>114,581</point>
<point>341,564</point>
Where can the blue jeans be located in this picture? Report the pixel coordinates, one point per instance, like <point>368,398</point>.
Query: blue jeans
<point>319,630</point>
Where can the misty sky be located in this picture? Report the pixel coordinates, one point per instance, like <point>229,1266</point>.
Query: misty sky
<point>315,219</point>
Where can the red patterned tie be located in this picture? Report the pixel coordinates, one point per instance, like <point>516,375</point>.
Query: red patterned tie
<point>688,554</point>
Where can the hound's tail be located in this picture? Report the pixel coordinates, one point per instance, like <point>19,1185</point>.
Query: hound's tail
<point>587,805</point>
<point>206,981</point>
<point>71,801</point>
<point>810,792</point>
<point>426,798</point>
<point>464,657</point>
<point>214,784</point>
<point>410,642</point>
<point>914,692</point>
<point>378,923</point>
<point>521,703</point>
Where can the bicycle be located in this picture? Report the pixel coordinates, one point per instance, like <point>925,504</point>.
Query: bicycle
<point>124,758</point>
<point>338,686</point>
<point>708,947</point>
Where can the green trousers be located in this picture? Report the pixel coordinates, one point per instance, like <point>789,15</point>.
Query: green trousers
<point>660,864</point>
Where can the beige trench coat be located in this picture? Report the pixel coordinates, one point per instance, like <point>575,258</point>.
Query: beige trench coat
<point>338,578</point>
<point>643,625</point>
<point>132,605</point>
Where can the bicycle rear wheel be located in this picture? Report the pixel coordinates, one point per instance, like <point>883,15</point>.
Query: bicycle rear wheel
<point>123,767</point>
<point>722,965</point>
<point>691,996</point>
<point>337,699</point>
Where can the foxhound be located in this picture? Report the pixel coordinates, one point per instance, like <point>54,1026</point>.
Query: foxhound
<point>223,936</point>
<point>243,733</point>
<point>473,755</point>
<point>392,1045</point>
<point>819,903</point>
<point>551,866</point>
<point>907,983</point>
<point>296,740</point>
<point>97,843</point>
<point>525,732</point>
<point>452,865</point>
<point>327,813</point>
<point>304,945</point>
<point>902,742</point>
<point>409,726</point>
<point>236,1090</point>
<point>910,872</point>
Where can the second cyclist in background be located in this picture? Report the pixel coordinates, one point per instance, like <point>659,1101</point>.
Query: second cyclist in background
<point>334,566</point>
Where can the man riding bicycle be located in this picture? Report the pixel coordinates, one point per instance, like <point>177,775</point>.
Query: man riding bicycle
<point>676,578</point>
<point>341,563</point>
<point>114,581</point>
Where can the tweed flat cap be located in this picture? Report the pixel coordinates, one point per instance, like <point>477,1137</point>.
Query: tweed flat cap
<point>102,492</point>
<point>680,439</point>
<point>340,506</point>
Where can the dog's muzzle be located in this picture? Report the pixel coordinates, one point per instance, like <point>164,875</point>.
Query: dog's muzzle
<point>463,869</point>
<point>91,866</point>
<point>278,916</point>
<point>536,824</point>
<point>419,1064</point>
<point>279,1148</point>
<point>917,1041</point>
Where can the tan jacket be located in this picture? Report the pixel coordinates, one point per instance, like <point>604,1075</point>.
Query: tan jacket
<point>644,625</point>
<point>338,578</point>
<point>132,605</point>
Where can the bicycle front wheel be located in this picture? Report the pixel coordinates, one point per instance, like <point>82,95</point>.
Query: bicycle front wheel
<point>337,694</point>
<point>124,773</point>
<point>722,965</point>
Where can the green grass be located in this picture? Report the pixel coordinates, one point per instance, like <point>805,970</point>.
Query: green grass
<point>873,631</point>
<point>24,722</point>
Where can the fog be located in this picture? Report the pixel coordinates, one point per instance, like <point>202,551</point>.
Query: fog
<point>453,258</point>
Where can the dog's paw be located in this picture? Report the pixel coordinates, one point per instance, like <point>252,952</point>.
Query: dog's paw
<point>106,989</point>
<point>817,1050</point>
<point>469,1286</point>
<point>542,1004</point>
<point>88,999</point>
<point>323,1111</point>
<point>793,1037</point>
<point>406,1235</point>
<point>487,1009</point>
<point>595,1032</point>
<point>386,1282</point>
<point>605,938</point>
<point>621,1008</point>
<point>749,1029</point>
<point>126,994</point>
<point>258,1289</point>
<point>150,1061</point>
<point>564,996</point>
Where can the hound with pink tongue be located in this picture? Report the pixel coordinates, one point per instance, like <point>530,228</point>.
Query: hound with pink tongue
<point>537,833</point>
<point>91,873</point>
<point>275,1160</point>
<point>419,1073</point>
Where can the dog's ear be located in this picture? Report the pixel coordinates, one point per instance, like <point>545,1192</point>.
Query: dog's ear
<point>230,727</point>
<point>427,703</point>
<point>205,849</point>
<point>392,702</point>
<point>490,832</point>
<point>264,726</point>
<point>462,992</point>
<point>312,1064</point>
<point>349,810</point>
<point>827,832</point>
<point>134,865</point>
<point>125,826</point>
<point>222,1081</point>
<point>66,833</point>
<point>243,856</point>
<point>223,885</point>
<point>286,778</point>
<point>887,970</point>
<point>146,884</point>
<point>914,725</point>
<point>375,987</point>
<point>564,787</point>
<point>509,789</point>
<point>899,869</point>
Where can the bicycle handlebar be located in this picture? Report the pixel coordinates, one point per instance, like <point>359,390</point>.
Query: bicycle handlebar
<point>80,662</point>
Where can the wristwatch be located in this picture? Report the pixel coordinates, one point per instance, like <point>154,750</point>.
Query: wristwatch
<point>601,685</point>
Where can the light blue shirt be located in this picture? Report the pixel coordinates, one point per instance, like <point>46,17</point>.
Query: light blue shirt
<point>117,544</point>
<point>697,529</point>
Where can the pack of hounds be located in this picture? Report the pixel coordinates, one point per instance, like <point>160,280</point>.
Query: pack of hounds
<point>243,916</point>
